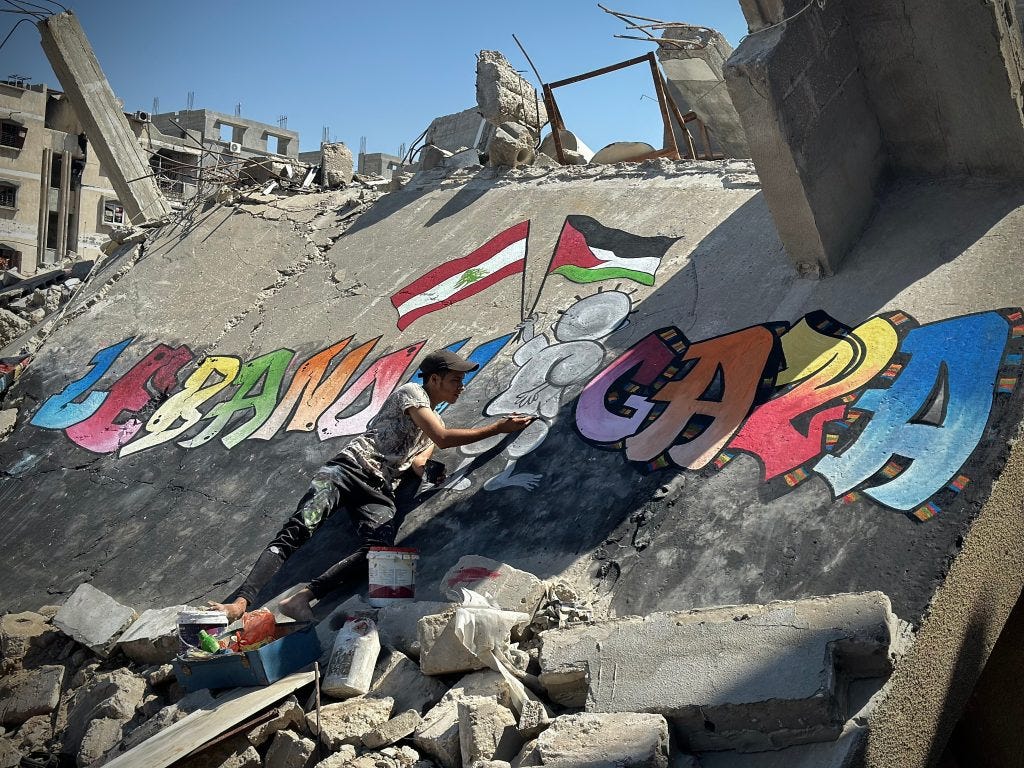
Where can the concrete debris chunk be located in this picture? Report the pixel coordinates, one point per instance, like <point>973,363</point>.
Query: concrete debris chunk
<point>10,756</point>
<point>153,637</point>
<point>441,652</point>
<point>26,693</point>
<point>11,327</point>
<point>397,624</point>
<point>235,752</point>
<point>341,759</point>
<point>487,730</point>
<point>348,721</point>
<point>18,630</point>
<point>289,715</point>
<point>621,152</point>
<point>101,735</point>
<point>111,695</point>
<point>503,95</point>
<point>575,151</point>
<point>511,146</point>
<point>438,736</point>
<point>35,733</point>
<point>432,157</point>
<point>750,677</point>
<point>289,750</point>
<point>400,678</point>
<point>336,167</point>
<point>533,719</point>
<point>394,730</point>
<point>93,618</point>
<point>511,588</point>
<point>621,740</point>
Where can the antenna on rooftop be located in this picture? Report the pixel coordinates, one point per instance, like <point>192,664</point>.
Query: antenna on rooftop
<point>282,121</point>
<point>238,109</point>
<point>156,105</point>
<point>191,100</point>
<point>325,138</point>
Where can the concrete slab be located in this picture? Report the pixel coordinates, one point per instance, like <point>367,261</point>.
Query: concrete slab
<point>744,677</point>
<point>93,618</point>
<point>509,587</point>
<point>153,637</point>
<point>601,741</point>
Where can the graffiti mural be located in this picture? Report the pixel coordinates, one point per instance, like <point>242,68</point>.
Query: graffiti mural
<point>145,407</point>
<point>889,410</point>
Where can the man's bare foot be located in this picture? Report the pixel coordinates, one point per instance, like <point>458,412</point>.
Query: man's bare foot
<point>233,610</point>
<point>297,606</point>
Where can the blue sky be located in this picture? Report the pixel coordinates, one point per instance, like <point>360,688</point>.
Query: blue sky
<point>382,70</point>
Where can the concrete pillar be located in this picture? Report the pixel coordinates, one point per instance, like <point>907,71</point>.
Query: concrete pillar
<point>44,207</point>
<point>79,73</point>
<point>696,83</point>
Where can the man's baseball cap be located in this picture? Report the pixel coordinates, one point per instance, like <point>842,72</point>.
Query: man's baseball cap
<point>442,361</point>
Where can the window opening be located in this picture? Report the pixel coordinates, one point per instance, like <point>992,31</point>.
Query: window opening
<point>8,196</point>
<point>113,213</point>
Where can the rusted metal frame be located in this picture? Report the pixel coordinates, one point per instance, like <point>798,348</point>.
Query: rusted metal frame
<point>661,92</point>
<point>708,154</point>
<point>679,117</point>
<point>598,72</point>
<point>555,119</point>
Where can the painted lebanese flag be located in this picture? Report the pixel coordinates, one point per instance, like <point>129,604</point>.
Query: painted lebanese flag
<point>500,257</point>
<point>588,251</point>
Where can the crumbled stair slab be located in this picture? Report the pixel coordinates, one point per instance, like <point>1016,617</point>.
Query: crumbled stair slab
<point>346,722</point>
<point>93,618</point>
<point>153,637</point>
<point>487,730</point>
<point>397,624</point>
<point>749,677</point>
<point>438,736</point>
<point>27,693</point>
<point>394,730</point>
<point>609,740</point>
<point>398,677</point>
<point>511,588</point>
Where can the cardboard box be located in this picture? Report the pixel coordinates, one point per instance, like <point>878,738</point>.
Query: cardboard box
<point>298,648</point>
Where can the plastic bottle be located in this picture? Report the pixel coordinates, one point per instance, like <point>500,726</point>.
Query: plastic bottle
<point>353,657</point>
<point>208,642</point>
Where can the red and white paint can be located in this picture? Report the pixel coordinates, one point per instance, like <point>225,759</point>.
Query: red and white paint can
<point>392,575</point>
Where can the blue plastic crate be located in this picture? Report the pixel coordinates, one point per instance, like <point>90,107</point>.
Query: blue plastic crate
<point>263,666</point>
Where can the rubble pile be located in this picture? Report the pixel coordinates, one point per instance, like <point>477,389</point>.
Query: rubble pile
<point>25,302</point>
<point>517,672</point>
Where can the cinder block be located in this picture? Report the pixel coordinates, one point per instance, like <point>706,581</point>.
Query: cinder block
<point>487,730</point>
<point>510,588</point>
<point>93,618</point>
<point>762,676</point>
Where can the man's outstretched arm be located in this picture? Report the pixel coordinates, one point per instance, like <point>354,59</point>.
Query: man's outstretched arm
<point>448,437</point>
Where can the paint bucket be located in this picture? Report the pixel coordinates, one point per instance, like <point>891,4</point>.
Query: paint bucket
<point>392,575</point>
<point>190,622</point>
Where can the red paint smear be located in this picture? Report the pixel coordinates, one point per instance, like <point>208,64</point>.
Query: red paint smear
<point>386,592</point>
<point>471,575</point>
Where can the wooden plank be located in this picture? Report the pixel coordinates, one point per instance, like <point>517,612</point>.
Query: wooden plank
<point>202,726</point>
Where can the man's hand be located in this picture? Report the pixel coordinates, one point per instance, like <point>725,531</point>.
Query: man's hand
<point>513,424</point>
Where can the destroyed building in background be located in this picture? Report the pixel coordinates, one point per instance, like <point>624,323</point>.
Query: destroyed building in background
<point>759,520</point>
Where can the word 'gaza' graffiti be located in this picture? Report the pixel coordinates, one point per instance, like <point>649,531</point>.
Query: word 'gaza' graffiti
<point>110,420</point>
<point>890,410</point>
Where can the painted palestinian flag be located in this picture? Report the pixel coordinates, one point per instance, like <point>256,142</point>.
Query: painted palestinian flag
<point>500,257</point>
<point>588,251</point>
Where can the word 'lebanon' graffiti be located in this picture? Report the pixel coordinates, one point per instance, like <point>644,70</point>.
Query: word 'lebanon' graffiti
<point>889,410</point>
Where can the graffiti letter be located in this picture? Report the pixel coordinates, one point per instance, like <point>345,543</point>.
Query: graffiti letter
<point>60,411</point>
<point>638,367</point>
<point>721,385</point>
<point>184,404</point>
<point>101,432</point>
<point>380,378</point>
<point>847,365</point>
<point>311,392</point>
<point>934,413</point>
<point>273,365</point>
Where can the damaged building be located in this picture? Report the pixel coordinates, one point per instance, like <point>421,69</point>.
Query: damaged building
<point>765,513</point>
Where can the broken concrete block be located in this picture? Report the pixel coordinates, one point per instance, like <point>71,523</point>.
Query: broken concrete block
<point>487,730</point>
<point>161,675</point>
<point>438,736</point>
<point>289,750</point>
<point>400,678</point>
<point>511,588</point>
<point>441,652</point>
<point>432,157</point>
<point>18,630</point>
<point>8,420</point>
<point>397,624</point>
<point>341,759</point>
<point>394,730</point>
<point>113,695</point>
<point>35,733</point>
<point>36,315</point>
<point>348,721</point>
<point>511,146</point>
<point>26,693</point>
<point>621,152</point>
<point>764,676</point>
<point>289,715</point>
<point>575,151</point>
<point>93,618</point>
<point>11,327</point>
<point>625,740</point>
<point>101,734</point>
<point>153,637</point>
<point>533,719</point>
<point>503,95</point>
<point>335,165</point>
